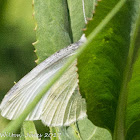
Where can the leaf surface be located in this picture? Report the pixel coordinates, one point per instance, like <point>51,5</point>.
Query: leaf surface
<point>133,86</point>
<point>104,61</point>
<point>52,31</point>
<point>82,130</point>
<point>106,70</point>
<point>28,131</point>
<point>79,12</point>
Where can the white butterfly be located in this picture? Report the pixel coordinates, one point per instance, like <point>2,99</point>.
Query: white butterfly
<point>61,105</point>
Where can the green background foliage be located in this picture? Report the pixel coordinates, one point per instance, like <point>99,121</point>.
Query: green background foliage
<point>16,50</point>
<point>16,37</point>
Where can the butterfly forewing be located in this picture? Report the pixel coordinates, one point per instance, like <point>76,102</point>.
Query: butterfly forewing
<point>61,105</point>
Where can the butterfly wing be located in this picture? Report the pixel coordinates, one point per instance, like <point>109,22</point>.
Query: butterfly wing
<point>61,105</point>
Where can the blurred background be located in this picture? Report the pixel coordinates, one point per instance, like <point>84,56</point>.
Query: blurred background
<point>16,38</point>
<point>17,55</point>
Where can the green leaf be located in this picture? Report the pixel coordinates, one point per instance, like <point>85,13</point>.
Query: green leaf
<point>52,27</point>
<point>88,131</point>
<point>63,25</point>
<point>133,101</point>
<point>56,134</point>
<point>82,130</point>
<point>108,62</point>
<point>104,61</point>
<point>79,11</point>
<point>4,122</point>
<point>28,131</point>
<point>100,11</point>
<point>66,133</point>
